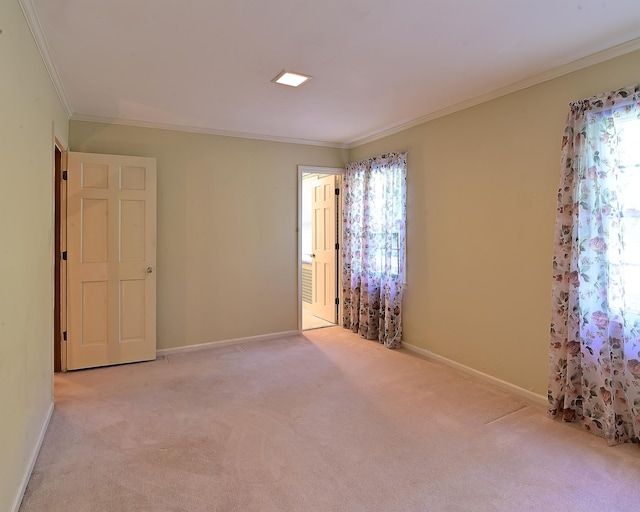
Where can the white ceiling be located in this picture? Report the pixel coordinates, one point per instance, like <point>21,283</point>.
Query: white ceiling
<point>207,65</point>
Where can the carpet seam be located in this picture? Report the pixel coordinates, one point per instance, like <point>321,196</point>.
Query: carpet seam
<point>507,414</point>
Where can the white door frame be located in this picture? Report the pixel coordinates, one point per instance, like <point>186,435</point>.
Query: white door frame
<point>308,169</point>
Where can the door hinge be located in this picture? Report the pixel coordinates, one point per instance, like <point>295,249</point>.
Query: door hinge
<point>64,336</point>
<point>64,255</point>
<point>337,301</point>
<point>337,246</point>
<point>64,175</point>
<point>337,191</point>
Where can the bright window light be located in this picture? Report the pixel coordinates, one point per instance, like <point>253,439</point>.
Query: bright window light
<point>291,79</point>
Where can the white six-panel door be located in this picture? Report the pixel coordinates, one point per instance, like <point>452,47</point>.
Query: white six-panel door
<point>111,259</point>
<point>323,232</point>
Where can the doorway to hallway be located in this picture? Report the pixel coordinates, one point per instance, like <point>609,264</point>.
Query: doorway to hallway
<point>319,255</point>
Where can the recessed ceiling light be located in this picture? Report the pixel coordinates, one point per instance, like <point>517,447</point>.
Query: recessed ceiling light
<point>291,79</point>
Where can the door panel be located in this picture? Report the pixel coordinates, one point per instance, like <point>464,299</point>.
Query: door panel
<point>94,313</point>
<point>94,216</point>
<point>323,227</point>
<point>111,258</point>
<point>132,229</point>
<point>132,310</point>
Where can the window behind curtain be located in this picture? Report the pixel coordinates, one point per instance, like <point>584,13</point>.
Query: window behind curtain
<point>628,128</point>
<point>387,221</point>
<point>374,236</point>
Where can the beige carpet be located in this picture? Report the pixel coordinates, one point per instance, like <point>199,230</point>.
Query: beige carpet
<point>327,423</point>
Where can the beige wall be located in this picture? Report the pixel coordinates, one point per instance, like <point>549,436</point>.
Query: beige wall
<point>29,108</point>
<point>227,241</point>
<point>481,207</point>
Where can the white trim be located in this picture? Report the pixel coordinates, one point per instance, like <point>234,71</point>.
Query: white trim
<point>33,22</point>
<point>225,343</point>
<point>525,393</point>
<point>206,131</point>
<point>299,249</point>
<point>32,461</point>
<point>538,78</point>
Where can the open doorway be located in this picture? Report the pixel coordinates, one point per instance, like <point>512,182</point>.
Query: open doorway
<point>319,242</point>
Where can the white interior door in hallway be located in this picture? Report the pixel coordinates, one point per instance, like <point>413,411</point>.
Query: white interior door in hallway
<point>111,260</point>
<point>324,250</point>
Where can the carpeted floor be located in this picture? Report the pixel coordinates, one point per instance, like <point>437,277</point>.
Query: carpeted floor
<point>329,422</point>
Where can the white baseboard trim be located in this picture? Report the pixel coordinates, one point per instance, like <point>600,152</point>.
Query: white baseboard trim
<point>32,461</point>
<point>525,393</point>
<point>224,343</point>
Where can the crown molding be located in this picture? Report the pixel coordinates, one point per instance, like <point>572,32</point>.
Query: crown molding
<point>596,58</point>
<point>34,25</point>
<point>206,131</point>
<point>544,76</point>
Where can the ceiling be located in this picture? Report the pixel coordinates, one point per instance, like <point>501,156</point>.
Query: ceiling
<point>207,65</point>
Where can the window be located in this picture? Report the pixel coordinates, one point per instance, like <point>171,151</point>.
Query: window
<point>629,190</point>
<point>594,352</point>
<point>386,224</point>
<point>374,238</point>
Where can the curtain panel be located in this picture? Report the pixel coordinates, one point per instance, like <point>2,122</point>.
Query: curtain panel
<point>594,373</point>
<point>374,253</point>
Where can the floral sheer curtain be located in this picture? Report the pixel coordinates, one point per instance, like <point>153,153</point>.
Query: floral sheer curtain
<point>595,327</point>
<point>374,254</point>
